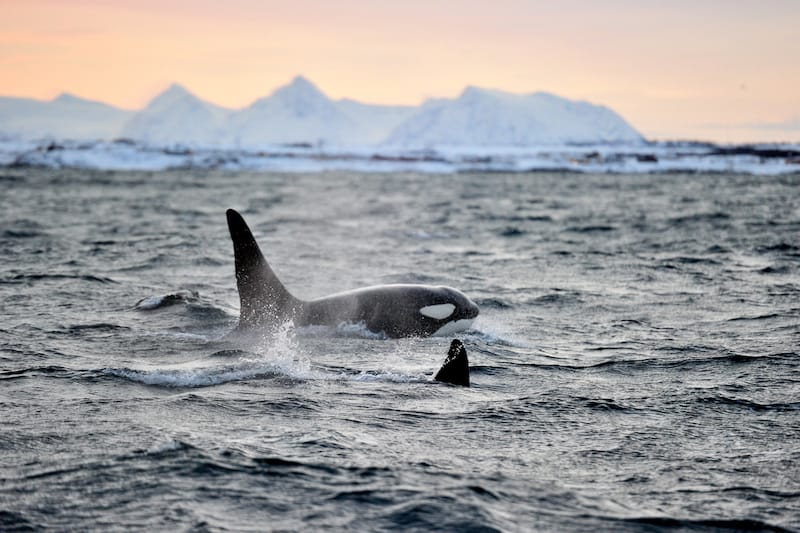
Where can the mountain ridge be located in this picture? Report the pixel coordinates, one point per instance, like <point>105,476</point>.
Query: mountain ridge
<point>299,112</point>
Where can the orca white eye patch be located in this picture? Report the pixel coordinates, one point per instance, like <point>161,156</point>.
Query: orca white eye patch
<point>438,311</point>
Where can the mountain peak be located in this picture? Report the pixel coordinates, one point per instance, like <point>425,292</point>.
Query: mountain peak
<point>492,117</point>
<point>170,96</point>
<point>301,82</point>
<point>300,88</point>
<point>176,89</point>
<point>67,98</point>
<point>300,97</point>
<point>472,92</point>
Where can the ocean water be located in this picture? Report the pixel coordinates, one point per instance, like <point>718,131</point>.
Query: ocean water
<point>635,367</point>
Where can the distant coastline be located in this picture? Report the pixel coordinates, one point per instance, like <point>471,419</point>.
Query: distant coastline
<point>607,158</point>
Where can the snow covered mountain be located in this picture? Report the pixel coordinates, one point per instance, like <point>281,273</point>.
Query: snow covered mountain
<point>300,113</point>
<point>375,122</point>
<point>177,116</point>
<point>65,117</point>
<point>483,117</point>
<point>295,113</point>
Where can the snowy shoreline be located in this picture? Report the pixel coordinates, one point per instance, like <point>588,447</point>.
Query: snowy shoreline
<point>657,157</point>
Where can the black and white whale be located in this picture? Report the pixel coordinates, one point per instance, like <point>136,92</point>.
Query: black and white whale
<point>394,310</point>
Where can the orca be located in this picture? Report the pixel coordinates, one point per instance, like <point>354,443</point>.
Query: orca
<point>393,310</point>
<point>455,369</point>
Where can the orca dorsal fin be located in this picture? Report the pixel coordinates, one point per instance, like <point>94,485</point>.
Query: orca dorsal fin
<point>455,369</point>
<point>263,298</point>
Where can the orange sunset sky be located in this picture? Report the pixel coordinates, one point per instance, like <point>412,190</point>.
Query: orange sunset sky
<point>726,71</point>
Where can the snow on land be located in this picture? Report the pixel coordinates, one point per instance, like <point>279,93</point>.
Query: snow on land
<point>299,128</point>
<point>482,117</point>
<point>66,116</point>
<point>296,113</point>
<point>177,116</point>
<point>299,113</point>
<point>375,122</point>
<point>605,158</point>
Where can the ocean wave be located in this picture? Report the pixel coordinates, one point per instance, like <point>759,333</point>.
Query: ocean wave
<point>512,231</point>
<point>643,363</point>
<point>749,404</point>
<point>206,336</point>
<point>206,376</point>
<point>558,297</point>
<point>151,303</point>
<point>599,228</point>
<point>767,316</point>
<point>390,377</point>
<point>23,229</point>
<point>494,303</point>
<point>167,446</point>
<point>774,269</point>
<point>30,278</point>
<point>491,332</point>
<point>20,234</point>
<point>269,357</point>
<point>690,260</point>
<point>781,247</point>
<point>246,368</point>
<point>49,370</point>
<point>695,218</point>
<point>104,327</point>
<point>17,521</point>
<point>708,524</point>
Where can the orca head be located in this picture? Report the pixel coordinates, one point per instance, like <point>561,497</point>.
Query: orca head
<point>452,311</point>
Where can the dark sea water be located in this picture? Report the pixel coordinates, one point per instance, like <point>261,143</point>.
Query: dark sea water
<point>636,364</point>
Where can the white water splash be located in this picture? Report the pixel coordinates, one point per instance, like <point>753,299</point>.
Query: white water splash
<point>276,355</point>
<point>270,355</point>
<point>356,330</point>
<point>166,445</point>
<point>200,377</point>
<point>391,377</point>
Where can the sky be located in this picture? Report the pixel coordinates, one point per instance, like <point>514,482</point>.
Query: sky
<point>725,71</point>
